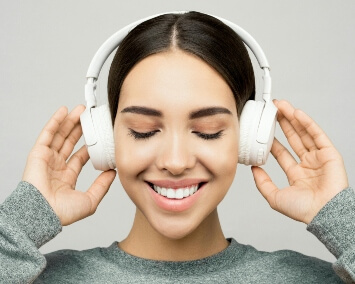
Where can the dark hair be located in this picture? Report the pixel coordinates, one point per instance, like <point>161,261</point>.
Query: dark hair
<point>195,33</point>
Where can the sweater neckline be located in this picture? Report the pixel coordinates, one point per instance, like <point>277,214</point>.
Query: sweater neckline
<point>208,264</point>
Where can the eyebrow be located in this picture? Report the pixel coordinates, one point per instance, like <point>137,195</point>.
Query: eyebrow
<point>207,111</point>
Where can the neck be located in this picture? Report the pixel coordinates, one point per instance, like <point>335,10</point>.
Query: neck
<point>145,242</point>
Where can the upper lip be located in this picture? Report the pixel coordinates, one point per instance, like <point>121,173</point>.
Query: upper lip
<point>177,184</point>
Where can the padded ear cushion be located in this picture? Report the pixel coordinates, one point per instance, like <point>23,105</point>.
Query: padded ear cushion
<point>248,125</point>
<point>103,127</point>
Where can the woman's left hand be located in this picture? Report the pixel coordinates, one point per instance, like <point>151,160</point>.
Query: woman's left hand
<point>315,180</point>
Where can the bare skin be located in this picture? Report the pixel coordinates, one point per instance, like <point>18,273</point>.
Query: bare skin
<point>314,181</point>
<point>175,152</point>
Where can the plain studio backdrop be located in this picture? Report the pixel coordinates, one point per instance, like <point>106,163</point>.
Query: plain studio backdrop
<point>46,48</point>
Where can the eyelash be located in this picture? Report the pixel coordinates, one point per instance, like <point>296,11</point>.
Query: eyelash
<point>146,135</point>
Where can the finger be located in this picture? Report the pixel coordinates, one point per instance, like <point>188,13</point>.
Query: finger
<point>71,141</point>
<point>319,137</point>
<point>66,127</point>
<point>265,185</point>
<point>296,134</point>
<point>283,156</point>
<point>46,136</point>
<point>100,187</point>
<point>292,137</point>
<point>78,160</point>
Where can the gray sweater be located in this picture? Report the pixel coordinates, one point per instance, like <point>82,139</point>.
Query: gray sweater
<point>27,222</point>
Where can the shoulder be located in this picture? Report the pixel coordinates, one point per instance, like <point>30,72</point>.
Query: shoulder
<point>286,266</point>
<point>70,264</point>
<point>66,256</point>
<point>303,266</point>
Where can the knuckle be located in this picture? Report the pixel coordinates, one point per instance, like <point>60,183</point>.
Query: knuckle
<point>93,203</point>
<point>280,152</point>
<point>71,140</point>
<point>317,135</point>
<point>290,132</point>
<point>79,158</point>
<point>100,183</point>
<point>62,133</point>
<point>273,206</point>
<point>302,132</point>
<point>50,131</point>
<point>93,210</point>
<point>272,202</point>
<point>264,182</point>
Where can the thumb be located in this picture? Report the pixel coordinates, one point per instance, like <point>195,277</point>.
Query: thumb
<point>100,187</point>
<point>265,185</point>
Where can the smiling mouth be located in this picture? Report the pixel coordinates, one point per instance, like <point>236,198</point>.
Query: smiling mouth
<point>176,193</point>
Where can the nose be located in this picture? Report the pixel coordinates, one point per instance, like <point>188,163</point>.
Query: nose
<point>176,156</point>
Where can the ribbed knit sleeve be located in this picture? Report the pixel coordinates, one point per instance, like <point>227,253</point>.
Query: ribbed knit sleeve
<point>27,222</point>
<point>334,226</point>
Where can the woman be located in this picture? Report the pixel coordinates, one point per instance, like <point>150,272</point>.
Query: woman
<point>177,86</point>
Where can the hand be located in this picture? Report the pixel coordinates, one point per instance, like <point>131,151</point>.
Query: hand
<point>49,171</point>
<point>315,180</point>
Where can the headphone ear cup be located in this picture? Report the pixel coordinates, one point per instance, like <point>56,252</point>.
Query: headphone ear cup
<point>103,157</point>
<point>248,125</point>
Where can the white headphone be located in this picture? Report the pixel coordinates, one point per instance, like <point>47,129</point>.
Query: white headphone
<point>257,121</point>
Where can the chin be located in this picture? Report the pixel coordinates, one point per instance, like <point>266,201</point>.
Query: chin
<point>175,228</point>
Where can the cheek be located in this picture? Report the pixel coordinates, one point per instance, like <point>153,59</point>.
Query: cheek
<point>221,160</point>
<point>221,157</point>
<point>132,157</point>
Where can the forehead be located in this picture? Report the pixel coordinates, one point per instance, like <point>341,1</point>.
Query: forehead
<point>175,80</point>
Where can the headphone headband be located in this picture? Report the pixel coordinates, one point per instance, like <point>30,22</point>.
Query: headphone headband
<point>113,42</point>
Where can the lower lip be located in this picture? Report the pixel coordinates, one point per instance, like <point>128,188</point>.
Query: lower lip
<point>175,205</point>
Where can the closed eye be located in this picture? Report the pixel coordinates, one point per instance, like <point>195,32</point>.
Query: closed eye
<point>209,136</point>
<point>141,135</point>
<point>146,135</point>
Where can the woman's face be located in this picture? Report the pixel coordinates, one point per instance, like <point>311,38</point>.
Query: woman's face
<point>176,128</point>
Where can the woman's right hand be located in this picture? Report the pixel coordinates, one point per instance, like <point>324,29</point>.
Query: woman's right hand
<point>54,175</point>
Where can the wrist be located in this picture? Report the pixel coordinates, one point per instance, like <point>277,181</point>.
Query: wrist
<point>28,210</point>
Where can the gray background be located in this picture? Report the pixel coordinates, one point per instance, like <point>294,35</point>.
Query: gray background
<point>46,48</point>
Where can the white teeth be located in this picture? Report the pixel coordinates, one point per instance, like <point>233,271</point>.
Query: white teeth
<point>179,194</point>
<point>170,193</point>
<point>192,190</point>
<point>176,193</point>
<point>163,191</point>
